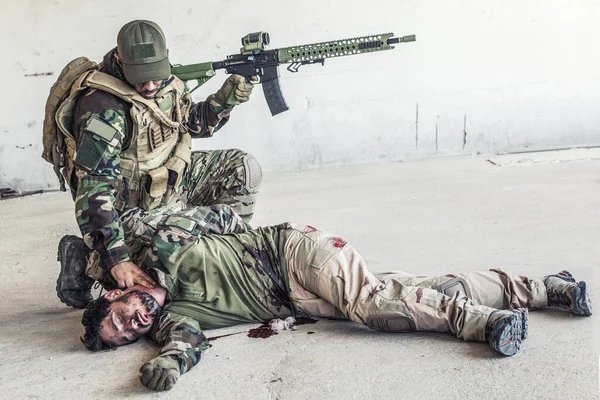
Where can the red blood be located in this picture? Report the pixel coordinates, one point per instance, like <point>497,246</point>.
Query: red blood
<point>338,242</point>
<point>419,294</point>
<point>210,339</point>
<point>262,332</point>
<point>310,229</point>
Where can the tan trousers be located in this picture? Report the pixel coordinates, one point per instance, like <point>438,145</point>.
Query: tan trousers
<point>329,278</point>
<point>494,288</point>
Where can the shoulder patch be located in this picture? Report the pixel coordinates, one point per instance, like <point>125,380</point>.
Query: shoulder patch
<point>101,130</point>
<point>186,224</point>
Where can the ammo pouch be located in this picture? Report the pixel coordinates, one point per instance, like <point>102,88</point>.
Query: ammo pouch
<point>176,166</point>
<point>159,186</point>
<point>153,187</point>
<point>127,186</point>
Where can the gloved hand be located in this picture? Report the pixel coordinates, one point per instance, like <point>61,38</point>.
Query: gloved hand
<point>160,373</point>
<point>235,90</point>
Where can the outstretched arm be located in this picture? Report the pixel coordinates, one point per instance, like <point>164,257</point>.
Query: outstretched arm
<point>182,344</point>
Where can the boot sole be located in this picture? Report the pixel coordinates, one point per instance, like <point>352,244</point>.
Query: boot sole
<point>583,304</point>
<point>509,335</point>
<point>59,293</point>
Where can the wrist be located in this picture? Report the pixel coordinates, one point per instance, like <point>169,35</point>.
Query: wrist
<point>111,258</point>
<point>219,105</point>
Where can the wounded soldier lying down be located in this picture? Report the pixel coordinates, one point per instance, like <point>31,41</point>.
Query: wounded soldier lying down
<point>213,271</point>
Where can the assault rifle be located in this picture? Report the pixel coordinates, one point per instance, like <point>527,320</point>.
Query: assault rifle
<point>255,61</point>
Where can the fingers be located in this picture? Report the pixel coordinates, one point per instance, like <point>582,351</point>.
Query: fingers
<point>145,280</point>
<point>235,90</point>
<point>120,282</point>
<point>237,79</point>
<point>156,376</point>
<point>128,274</point>
<point>153,384</point>
<point>157,373</point>
<point>241,96</point>
<point>159,380</point>
<point>170,382</point>
<point>160,384</point>
<point>147,373</point>
<point>243,91</point>
<point>145,367</point>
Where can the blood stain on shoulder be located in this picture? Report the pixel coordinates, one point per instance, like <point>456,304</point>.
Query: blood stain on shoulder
<point>338,242</point>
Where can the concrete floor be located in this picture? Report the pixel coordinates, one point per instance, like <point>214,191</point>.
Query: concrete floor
<point>427,217</point>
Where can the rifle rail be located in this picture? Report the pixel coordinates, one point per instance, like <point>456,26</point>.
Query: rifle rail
<point>336,48</point>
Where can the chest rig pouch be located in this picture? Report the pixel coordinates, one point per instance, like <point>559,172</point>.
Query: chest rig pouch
<point>153,166</point>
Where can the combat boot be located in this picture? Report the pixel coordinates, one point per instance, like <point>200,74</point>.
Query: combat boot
<point>73,286</point>
<point>566,293</point>
<point>506,329</point>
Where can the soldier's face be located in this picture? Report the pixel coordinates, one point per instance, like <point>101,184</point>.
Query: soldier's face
<point>148,89</point>
<point>131,316</point>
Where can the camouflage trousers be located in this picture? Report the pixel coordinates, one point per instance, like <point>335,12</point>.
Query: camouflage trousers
<point>329,278</point>
<point>230,177</point>
<point>215,177</point>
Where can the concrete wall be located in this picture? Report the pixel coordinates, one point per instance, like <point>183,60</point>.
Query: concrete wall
<point>483,76</point>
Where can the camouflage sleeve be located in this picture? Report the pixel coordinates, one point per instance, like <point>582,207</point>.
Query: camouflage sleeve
<point>185,227</point>
<point>99,145</point>
<point>217,218</point>
<point>206,117</point>
<point>181,339</point>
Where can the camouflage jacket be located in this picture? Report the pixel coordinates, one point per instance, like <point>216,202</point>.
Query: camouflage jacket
<point>94,203</point>
<point>215,280</point>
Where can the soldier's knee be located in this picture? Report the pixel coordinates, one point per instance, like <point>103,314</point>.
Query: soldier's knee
<point>391,323</point>
<point>253,173</point>
<point>449,288</point>
<point>234,155</point>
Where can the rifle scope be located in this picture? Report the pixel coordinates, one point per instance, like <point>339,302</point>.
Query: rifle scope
<point>255,41</point>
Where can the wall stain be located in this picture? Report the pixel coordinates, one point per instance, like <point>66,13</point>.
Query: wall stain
<point>437,133</point>
<point>417,129</point>
<point>39,74</point>
<point>465,131</point>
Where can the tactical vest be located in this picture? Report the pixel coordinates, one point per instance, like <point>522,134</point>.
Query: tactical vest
<point>152,167</point>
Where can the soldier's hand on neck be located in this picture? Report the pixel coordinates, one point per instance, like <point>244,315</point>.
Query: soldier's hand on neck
<point>127,274</point>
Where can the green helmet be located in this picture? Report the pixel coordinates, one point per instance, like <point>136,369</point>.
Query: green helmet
<point>143,52</point>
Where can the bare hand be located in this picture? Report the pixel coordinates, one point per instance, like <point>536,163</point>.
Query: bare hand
<point>127,274</point>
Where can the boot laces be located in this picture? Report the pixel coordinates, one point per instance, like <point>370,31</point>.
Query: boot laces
<point>559,298</point>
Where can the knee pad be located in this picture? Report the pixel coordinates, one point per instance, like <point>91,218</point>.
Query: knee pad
<point>449,288</point>
<point>391,323</point>
<point>253,173</point>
